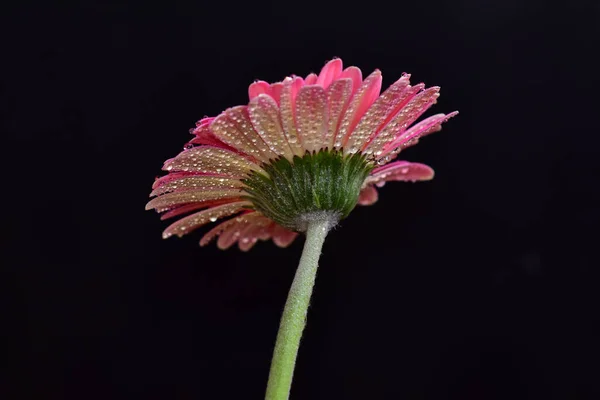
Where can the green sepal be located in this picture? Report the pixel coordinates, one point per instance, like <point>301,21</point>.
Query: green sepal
<point>316,183</point>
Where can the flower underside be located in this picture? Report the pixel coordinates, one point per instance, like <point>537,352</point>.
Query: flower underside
<point>301,149</point>
<point>319,184</point>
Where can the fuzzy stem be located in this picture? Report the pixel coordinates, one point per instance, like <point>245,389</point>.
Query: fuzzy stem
<point>294,314</point>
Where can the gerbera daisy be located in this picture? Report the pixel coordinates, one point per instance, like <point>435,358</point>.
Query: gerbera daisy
<point>297,158</point>
<point>300,148</point>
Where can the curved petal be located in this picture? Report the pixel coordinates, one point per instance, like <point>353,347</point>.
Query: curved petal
<point>245,229</point>
<point>172,176</point>
<point>290,89</point>
<point>338,97</point>
<point>257,88</point>
<point>311,116</point>
<point>412,136</point>
<point>403,119</point>
<point>276,91</point>
<point>187,208</point>
<point>264,115</point>
<point>236,222</point>
<point>381,112</point>
<point>204,122</point>
<point>368,196</point>
<point>330,72</point>
<point>234,128</point>
<point>191,196</point>
<point>283,237</point>
<point>195,221</point>
<point>310,79</point>
<point>229,236</point>
<point>400,171</point>
<point>194,182</point>
<point>211,160</point>
<point>362,100</point>
<point>204,136</point>
<point>258,230</point>
<point>354,74</point>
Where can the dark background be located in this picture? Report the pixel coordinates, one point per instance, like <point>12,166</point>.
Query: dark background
<point>482,284</point>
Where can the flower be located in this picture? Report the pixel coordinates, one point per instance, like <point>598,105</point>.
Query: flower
<point>300,149</point>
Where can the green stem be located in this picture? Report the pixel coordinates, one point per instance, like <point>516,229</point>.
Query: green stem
<point>294,313</point>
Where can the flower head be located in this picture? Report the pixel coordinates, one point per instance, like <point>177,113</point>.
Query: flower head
<point>301,149</point>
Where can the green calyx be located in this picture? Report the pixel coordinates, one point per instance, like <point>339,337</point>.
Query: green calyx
<point>316,186</point>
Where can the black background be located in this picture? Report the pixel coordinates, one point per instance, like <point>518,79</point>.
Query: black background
<point>482,284</point>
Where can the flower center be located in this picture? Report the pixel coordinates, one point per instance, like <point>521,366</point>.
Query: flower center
<point>316,186</point>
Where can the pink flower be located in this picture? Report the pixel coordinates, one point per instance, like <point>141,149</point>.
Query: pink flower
<point>335,112</point>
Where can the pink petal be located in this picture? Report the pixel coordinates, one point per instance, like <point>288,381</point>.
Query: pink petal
<point>400,171</point>
<point>362,100</point>
<point>211,160</point>
<point>175,176</point>
<point>204,136</point>
<point>258,230</point>
<point>191,196</point>
<point>276,91</point>
<point>186,208</point>
<point>245,229</point>
<point>283,237</point>
<point>229,230</point>
<point>355,74</point>
<point>423,128</point>
<point>201,182</point>
<point>247,243</point>
<point>264,115</point>
<point>311,116</point>
<point>236,229</point>
<point>203,122</point>
<point>210,141</point>
<point>290,89</point>
<point>230,235</point>
<point>311,79</point>
<point>382,111</point>
<point>265,234</point>
<point>330,72</point>
<point>201,128</point>
<point>368,196</point>
<point>220,228</point>
<point>258,87</point>
<point>403,119</point>
<point>194,221</point>
<point>338,97</point>
<point>235,128</point>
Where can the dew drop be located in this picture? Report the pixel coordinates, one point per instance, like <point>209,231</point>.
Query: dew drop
<point>213,219</point>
